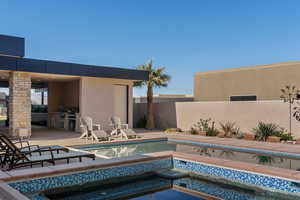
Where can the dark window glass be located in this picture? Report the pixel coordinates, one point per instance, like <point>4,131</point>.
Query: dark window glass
<point>298,96</point>
<point>243,98</point>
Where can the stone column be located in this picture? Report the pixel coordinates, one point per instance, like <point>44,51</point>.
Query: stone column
<point>19,104</point>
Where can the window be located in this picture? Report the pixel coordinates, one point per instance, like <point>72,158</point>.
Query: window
<point>243,98</point>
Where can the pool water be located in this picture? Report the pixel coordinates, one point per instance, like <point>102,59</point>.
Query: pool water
<point>125,150</point>
<point>153,187</point>
<point>167,195</point>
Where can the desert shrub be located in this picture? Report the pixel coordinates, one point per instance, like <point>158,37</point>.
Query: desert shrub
<point>193,131</point>
<point>142,122</point>
<point>264,130</point>
<point>284,135</point>
<point>211,130</point>
<point>230,129</point>
<point>205,125</point>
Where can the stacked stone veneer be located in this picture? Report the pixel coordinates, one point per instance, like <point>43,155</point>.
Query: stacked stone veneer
<point>19,103</point>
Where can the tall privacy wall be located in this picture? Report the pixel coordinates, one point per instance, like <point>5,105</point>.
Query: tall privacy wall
<point>245,114</point>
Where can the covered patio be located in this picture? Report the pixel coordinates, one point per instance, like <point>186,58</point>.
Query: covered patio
<point>73,90</point>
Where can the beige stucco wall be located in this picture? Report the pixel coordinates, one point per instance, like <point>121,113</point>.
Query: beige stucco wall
<point>63,94</point>
<point>245,114</point>
<point>164,114</point>
<point>97,99</point>
<point>263,81</point>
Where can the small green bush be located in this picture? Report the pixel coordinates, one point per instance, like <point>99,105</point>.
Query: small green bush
<point>284,135</point>
<point>211,131</point>
<point>264,130</point>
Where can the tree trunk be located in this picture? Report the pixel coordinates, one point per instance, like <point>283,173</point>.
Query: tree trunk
<point>150,114</point>
<point>290,113</point>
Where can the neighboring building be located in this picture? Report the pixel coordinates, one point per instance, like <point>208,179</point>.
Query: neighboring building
<point>158,98</point>
<point>82,90</point>
<point>247,83</point>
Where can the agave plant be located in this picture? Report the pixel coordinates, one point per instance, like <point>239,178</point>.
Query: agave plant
<point>264,130</point>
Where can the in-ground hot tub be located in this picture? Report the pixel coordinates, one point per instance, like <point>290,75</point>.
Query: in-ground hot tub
<point>137,177</point>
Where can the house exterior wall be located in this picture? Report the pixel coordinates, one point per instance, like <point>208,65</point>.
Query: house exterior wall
<point>263,81</point>
<point>97,99</point>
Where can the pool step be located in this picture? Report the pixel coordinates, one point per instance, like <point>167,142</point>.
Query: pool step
<point>171,174</point>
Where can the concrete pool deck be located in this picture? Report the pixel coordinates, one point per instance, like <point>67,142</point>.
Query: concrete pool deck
<point>66,138</point>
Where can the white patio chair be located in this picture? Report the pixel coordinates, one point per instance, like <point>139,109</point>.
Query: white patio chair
<point>92,131</point>
<point>119,129</point>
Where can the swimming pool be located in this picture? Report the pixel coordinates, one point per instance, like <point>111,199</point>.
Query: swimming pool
<point>256,156</point>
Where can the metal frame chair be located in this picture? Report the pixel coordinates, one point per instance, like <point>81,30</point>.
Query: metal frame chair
<point>18,158</point>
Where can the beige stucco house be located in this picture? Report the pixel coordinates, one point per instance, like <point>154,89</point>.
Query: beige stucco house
<point>73,89</point>
<point>261,82</point>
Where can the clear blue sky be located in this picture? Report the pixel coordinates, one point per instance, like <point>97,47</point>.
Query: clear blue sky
<point>185,36</point>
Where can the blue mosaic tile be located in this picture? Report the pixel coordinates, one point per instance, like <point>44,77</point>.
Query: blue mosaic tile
<point>225,194</point>
<point>34,185</point>
<point>238,176</point>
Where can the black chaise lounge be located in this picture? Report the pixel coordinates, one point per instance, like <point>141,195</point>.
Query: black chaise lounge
<point>26,147</point>
<point>18,158</point>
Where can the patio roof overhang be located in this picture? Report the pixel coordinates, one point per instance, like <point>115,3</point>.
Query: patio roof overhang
<point>72,69</point>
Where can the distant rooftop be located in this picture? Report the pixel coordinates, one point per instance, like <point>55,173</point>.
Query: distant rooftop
<point>265,66</point>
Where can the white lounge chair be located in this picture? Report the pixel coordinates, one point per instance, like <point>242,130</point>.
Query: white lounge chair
<point>119,129</point>
<point>92,131</point>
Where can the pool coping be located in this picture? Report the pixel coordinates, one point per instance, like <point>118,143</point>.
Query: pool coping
<point>32,173</point>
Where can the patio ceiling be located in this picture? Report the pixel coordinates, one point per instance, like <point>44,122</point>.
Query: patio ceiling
<point>38,80</point>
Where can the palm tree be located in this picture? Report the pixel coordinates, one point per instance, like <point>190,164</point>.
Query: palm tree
<point>157,78</point>
<point>289,94</point>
